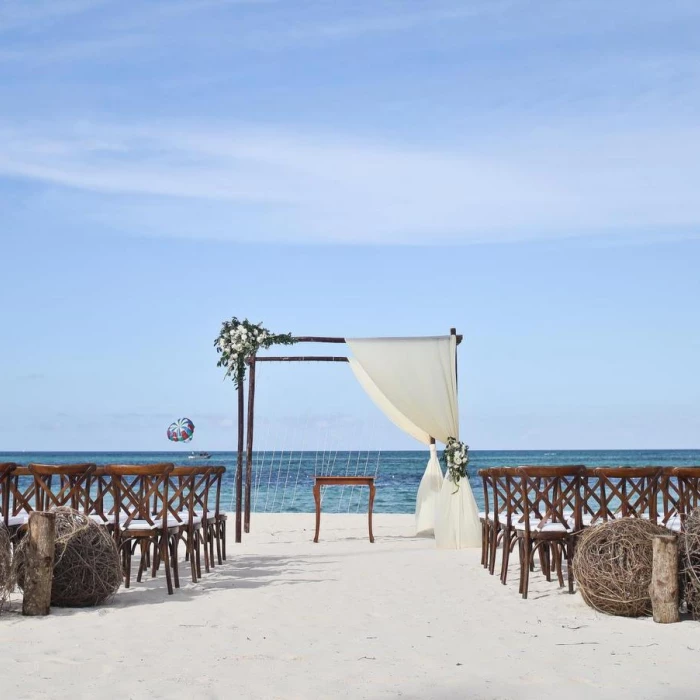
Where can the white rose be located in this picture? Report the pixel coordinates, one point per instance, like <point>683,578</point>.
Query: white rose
<point>457,460</point>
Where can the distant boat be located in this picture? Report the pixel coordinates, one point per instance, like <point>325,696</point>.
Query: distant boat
<point>199,455</point>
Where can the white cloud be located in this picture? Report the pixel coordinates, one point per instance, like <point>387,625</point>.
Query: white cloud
<point>287,186</point>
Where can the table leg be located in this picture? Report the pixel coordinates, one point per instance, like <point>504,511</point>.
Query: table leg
<point>371,506</point>
<point>317,500</point>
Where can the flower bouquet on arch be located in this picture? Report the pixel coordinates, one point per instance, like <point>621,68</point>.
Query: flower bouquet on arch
<point>456,456</point>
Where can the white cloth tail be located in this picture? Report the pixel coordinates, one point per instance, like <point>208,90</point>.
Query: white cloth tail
<point>428,495</point>
<point>457,519</point>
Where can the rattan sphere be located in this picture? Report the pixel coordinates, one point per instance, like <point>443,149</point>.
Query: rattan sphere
<point>612,565</point>
<point>87,567</point>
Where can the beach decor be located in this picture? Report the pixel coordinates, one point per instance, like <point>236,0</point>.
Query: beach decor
<point>239,340</point>
<point>5,564</point>
<point>613,566</point>
<point>690,564</point>
<point>181,430</point>
<point>87,569</point>
<point>412,380</point>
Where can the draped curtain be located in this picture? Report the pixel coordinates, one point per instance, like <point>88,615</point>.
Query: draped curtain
<point>414,382</point>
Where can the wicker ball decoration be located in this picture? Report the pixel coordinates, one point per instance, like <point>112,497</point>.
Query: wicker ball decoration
<point>87,567</point>
<point>5,564</point>
<point>612,565</point>
<point>690,563</point>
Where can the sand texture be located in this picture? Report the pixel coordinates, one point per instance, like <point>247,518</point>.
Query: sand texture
<point>286,618</point>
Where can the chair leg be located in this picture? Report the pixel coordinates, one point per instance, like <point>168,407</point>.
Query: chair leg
<point>142,564</point>
<point>204,535</point>
<point>222,530</point>
<point>506,546</point>
<point>164,544</point>
<point>569,564</point>
<point>557,551</point>
<point>174,562</point>
<point>127,565</point>
<point>527,551</point>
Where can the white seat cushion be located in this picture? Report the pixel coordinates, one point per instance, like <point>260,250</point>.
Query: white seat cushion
<point>143,524</point>
<point>19,519</point>
<point>548,527</point>
<point>185,517</point>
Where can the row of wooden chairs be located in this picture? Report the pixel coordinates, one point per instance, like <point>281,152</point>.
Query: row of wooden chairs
<point>541,510</point>
<point>153,508</point>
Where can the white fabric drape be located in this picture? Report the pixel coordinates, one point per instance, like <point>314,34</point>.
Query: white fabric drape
<point>428,495</point>
<point>417,376</point>
<point>456,517</point>
<point>414,381</point>
<point>391,412</point>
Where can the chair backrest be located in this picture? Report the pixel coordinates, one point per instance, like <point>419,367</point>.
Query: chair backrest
<point>64,485</point>
<point>182,492</point>
<point>507,495</point>
<point>21,491</point>
<point>627,492</point>
<point>487,484</point>
<point>683,491</point>
<point>216,480</point>
<point>551,496</point>
<point>99,498</point>
<point>6,469</point>
<point>135,489</point>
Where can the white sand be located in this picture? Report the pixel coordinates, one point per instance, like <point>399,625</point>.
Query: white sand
<point>285,618</point>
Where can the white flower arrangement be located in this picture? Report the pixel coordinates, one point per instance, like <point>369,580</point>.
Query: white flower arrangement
<point>239,340</point>
<point>456,456</point>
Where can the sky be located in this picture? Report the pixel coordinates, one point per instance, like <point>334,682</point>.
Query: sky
<point>526,172</point>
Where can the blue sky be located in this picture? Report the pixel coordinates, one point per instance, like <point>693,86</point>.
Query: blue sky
<point>527,172</point>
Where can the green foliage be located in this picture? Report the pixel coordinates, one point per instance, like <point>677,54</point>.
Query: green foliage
<point>239,340</point>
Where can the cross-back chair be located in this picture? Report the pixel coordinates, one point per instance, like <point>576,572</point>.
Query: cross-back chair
<point>680,496</point>
<point>6,469</point>
<point>551,498</point>
<point>64,485</point>
<point>216,519</point>
<point>187,504</point>
<point>136,488</point>
<point>21,499</point>
<point>485,516</point>
<point>620,492</point>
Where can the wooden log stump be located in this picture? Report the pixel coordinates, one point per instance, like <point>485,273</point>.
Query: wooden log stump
<point>38,564</point>
<point>663,589</point>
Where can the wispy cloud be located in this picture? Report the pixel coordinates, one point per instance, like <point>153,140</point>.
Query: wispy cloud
<point>332,188</point>
<point>18,14</point>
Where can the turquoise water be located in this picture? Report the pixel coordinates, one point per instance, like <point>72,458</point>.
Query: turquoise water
<point>282,481</point>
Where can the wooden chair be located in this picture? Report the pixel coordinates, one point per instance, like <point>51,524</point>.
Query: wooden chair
<point>620,492</point>
<point>21,499</point>
<point>6,469</point>
<point>188,489</point>
<point>64,485</point>
<point>486,516</point>
<point>680,488</point>
<point>99,505</point>
<point>508,511</point>
<point>135,488</point>
<point>551,498</point>
<point>216,519</point>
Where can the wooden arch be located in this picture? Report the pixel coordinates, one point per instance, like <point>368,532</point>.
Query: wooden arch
<point>245,437</point>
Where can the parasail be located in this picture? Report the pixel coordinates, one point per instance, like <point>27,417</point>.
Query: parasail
<point>181,430</point>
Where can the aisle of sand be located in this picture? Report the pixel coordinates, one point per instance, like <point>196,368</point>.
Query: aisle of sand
<point>285,618</point>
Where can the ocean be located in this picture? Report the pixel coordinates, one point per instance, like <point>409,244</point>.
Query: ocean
<point>282,481</point>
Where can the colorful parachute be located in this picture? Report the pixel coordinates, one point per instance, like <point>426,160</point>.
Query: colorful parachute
<point>181,430</point>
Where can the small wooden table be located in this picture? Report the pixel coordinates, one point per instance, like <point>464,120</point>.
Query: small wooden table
<point>343,481</point>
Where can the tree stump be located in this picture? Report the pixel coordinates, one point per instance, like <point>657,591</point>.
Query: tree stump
<point>663,589</point>
<point>38,570</point>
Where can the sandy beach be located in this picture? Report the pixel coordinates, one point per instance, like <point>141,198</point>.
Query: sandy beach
<point>286,618</point>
